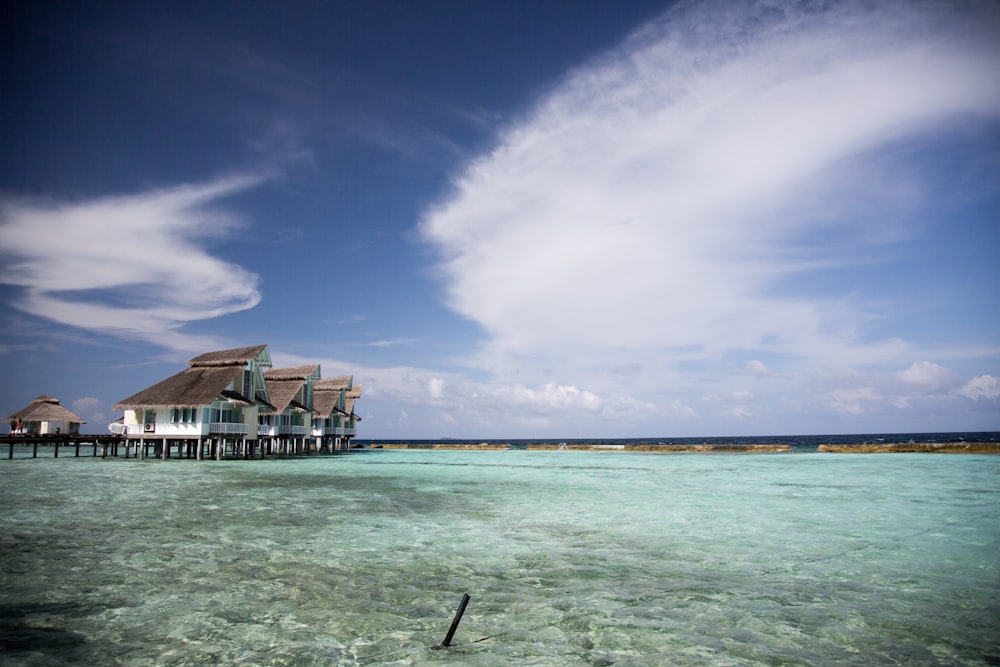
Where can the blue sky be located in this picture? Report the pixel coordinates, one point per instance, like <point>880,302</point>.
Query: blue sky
<point>557,219</point>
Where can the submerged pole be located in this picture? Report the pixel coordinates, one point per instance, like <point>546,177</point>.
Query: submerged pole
<point>455,621</point>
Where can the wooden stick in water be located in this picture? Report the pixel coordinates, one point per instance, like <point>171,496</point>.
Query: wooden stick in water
<point>455,621</point>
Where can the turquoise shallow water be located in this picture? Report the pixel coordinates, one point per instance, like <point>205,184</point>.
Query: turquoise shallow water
<point>571,558</point>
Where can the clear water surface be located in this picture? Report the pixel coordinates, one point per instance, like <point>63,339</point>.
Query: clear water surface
<point>570,558</point>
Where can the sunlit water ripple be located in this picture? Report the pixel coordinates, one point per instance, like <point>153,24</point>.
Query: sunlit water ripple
<point>571,558</point>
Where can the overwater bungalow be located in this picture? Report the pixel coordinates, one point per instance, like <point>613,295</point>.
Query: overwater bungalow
<point>332,426</point>
<point>215,403</point>
<point>44,416</point>
<point>352,396</point>
<point>287,425</point>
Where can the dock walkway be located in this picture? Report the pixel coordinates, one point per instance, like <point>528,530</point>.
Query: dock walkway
<point>115,446</point>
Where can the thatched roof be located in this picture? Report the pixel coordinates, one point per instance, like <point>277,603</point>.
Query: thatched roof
<point>264,406</point>
<point>292,373</point>
<point>204,381</point>
<point>295,405</point>
<point>333,384</point>
<point>349,408</point>
<point>326,394</point>
<point>240,356</point>
<point>236,397</point>
<point>282,393</point>
<point>46,409</point>
<point>193,387</point>
<point>353,395</point>
<point>283,384</point>
<point>325,402</point>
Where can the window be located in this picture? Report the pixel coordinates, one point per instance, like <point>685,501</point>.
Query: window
<point>183,415</point>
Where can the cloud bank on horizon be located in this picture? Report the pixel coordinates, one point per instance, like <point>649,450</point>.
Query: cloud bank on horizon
<point>653,231</point>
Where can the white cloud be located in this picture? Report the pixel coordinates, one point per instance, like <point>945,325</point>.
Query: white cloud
<point>134,266</point>
<point>923,386</point>
<point>928,377</point>
<point>546,398</point>
<point>452,399</point>
<point>921,373</point>
<point>856,401</point>
<point>658,208</point>
<point>93,410</point>
<point>982,386</point>
<point>740,412</point>
<point>435,387</point>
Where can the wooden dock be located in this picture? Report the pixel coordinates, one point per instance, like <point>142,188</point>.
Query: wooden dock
<point>116,446</point>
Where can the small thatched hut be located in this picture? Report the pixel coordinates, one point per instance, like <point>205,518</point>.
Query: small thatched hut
<point>45,416</point>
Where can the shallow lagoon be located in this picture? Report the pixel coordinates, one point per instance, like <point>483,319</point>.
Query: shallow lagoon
<point>571,558</point>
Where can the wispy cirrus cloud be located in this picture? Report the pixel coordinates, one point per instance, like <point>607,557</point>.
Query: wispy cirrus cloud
<point>135,266</point>
<point>392,342</point>
<point>659,209</point>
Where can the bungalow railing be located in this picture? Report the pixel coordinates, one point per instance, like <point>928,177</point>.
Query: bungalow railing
<point>271,430</point>
<point>173,430</point>
<point>227,428</point>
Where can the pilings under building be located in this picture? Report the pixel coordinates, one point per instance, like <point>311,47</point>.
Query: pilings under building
<point>208,448</point>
